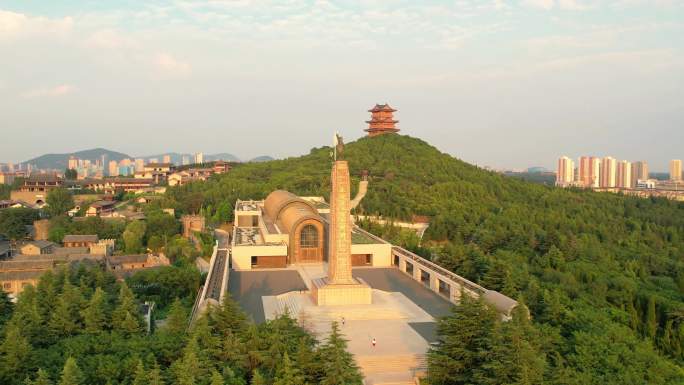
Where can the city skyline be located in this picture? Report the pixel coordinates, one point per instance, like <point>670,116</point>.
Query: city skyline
<point>496,84</point>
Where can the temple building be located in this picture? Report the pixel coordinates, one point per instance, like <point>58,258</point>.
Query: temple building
<point>285,229</point>
<point>382,120</point>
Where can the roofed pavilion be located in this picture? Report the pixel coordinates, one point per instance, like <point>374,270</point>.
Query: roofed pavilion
<point>382,120</point>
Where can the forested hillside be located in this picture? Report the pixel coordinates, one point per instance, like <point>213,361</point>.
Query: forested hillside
<point>80,326</point>
<point>602,274</point>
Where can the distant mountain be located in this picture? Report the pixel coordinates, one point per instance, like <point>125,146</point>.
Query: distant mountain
<point>222,156</point>
<point>61,161</point>
<point>263,158</point>
<point>177,158</point>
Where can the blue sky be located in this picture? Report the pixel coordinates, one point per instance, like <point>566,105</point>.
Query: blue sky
<point>498,83</point>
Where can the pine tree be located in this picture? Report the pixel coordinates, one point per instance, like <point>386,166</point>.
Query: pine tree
<point>71,374</point>
<point>42,378</point>
<point>651,321</point>
<point>140,377</point>
<point>216,378</point>
<point>65,320</point>
<point>188,367</point>
<point>257,378</point>
<point>94,314</point>
<point>514,357</point>
<point>27,316</point>
<point>228,318</point>
<point>155,377</point>
<point>177,320</point>
<point>339,367</point>
<point>287,373</point>
<point>462,336</point>
<point>6,308</point>
<point>14,352</point>
<point>125,316</point>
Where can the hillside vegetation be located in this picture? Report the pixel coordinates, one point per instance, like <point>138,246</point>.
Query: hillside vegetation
<point>602,274</point>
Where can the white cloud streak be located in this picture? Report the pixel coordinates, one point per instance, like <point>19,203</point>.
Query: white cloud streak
<point>49,92</point>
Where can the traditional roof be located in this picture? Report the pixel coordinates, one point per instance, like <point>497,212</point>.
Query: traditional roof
<point>43,178</point>
<point>4,247</point>
<point>12,265</point>
<point>40,244</point>
<point>103,204</point>
<point>382,107</point>
<point>20,275</point>
<point>80,238</point>
<point>69,250</point>
<point>159,165</point>
<point>120,259</point>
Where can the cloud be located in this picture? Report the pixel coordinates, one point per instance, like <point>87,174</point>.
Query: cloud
<point>169,65</point>
<point>543,4</point>
<point>15,25</point>
<point>57,91</point>
<point>568,5</point>
<point>108,38</point>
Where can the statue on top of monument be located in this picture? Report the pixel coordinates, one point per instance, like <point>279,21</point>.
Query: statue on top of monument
<point>339,147</point>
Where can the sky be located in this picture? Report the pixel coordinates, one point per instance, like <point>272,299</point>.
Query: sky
<point>506,84</point>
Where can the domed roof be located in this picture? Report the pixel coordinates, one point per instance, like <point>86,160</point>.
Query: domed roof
<point>287,210</point>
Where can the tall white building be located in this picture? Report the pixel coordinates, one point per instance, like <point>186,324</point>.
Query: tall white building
<point>139,164</point>
<point>608,172</point>
<point>199,158</point>
<point>185,160</point>
<point>566,171</point>
<point>113,168</point>
<point>589,171</point>
<point>624,174</point>
<point>639,172</point>
<point>676,169</point>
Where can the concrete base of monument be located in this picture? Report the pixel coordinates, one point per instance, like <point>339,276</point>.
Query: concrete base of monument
<point>400,353</point>
<point>326,294</point>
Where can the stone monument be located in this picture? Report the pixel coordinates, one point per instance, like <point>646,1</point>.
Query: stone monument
<point>339,287</point>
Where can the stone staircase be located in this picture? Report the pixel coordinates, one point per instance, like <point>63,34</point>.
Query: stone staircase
<point>290,302</point>
<point>392,369</point>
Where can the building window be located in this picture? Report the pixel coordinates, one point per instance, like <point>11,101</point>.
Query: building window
<point>255,261</point>
<point>7,285</point>
<point>309,237</point>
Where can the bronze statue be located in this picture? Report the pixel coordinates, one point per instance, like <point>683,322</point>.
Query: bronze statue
<point>339,147</point>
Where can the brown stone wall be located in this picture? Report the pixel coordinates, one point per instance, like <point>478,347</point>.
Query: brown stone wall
<point>360,260</point>
<point>268,261</point>
<point>42,228</point>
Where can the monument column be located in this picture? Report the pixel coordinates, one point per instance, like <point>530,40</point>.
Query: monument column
<point>340,269</point>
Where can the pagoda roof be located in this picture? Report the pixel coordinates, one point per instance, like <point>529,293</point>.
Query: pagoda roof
<point>382,107</point>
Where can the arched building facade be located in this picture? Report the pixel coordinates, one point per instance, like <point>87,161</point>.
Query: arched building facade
<point>285,229</point>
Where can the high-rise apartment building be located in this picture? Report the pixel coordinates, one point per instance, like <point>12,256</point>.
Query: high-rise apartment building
<point>73,163</point>
<point>676,169</point>
<point>589,171</point>
<point>639,172</point>
<point>185,160</point>
<point>199,158</point>
<point>566,171</point>
<point>166,159</point>
<point>139,164</point>
<point>624,174</point>
<point>113,169</point>
<point>608,172</point>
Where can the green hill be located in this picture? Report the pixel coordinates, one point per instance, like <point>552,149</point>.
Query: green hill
<point>61,161</point>
<point>602,274</point>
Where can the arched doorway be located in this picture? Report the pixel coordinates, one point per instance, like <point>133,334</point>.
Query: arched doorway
<point>310,244</point>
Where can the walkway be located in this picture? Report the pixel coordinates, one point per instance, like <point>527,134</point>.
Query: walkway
<point>247,288</point>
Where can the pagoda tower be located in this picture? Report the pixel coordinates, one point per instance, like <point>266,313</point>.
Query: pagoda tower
<point>382,120</point>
